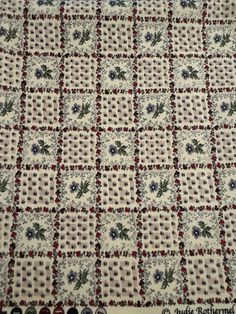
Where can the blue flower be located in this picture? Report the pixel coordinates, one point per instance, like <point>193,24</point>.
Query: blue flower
<point>3,31</point>
<point>38,73</point>
<point>196,232</point>
<point>112,3</point>
<point>113,234</point>
<point>153,186</point>
<point>40,2</point>
<point>217,38</point>
<point>113,150</point>
<point>75,108</point>
<point>72,276</point>
<point>112,75</point>
<point>190,148</point>
<point>185,74</point>
<point>30,233</point>
<point>35,149</point>
<point>74,187</point>
<point>148,36</point>
<point>150,108</point>
<point>232,184</point>
<point>184,3</point>
<point>76,35</point>
<point>224,107</point>
<point>158,276</point>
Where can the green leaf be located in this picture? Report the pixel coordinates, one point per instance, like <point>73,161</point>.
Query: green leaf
<point>193,74</point>
<point>225,40</point>
<point>83,189</point>
<point>119,226</point>
<point>122,150</point>
<point>206,232</point>
<point>201,224</point>
<point>118,143</point>
<point>163,188</point>
<point>84,110</point>
<point>82,279</point>
<point>6,107</point>
<point>192,4</point>
<point>121,76</point>
<point>121,3</point>
<point>123,234</point>
<point>159,110</point>
<point>117,69</point>
<point>36,226</point>
<point>168,278</point>
<point>85,37</point>
<point>48,74</point>
<point>232,108</point>
<point>11,34</point>
<point>3,185</point>
<point>156,38</point>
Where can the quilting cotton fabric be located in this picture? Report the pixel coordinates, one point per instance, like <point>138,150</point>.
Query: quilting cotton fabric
<point>117,155</point>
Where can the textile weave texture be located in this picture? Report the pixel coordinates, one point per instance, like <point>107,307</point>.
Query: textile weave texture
<point>118,152</point>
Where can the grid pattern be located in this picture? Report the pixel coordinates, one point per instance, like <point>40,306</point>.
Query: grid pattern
<point>117,139</point>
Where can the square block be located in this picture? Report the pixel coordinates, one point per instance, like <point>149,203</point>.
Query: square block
<point>232,267</point>
<point>117,37</point>
<point>228,186</point>
<point>7,187</point>
<point>117,148</point>
<point>221,39</point>
<point>206,277</point>
<point>154,110</point>
<point>77,232</point>
<point>187,38</point>
<point>152,37</point>
<point>224,108</point>
<point>43,72</point>
<point>225,145</point>
<point>50,7</point>
<point>191,109</point>
<point>12,7</point>
<point>76,279</point>
<point>153,73</point>
<point>78,189</point>
<point>118,232</point>
<point>221,9</point>
<point>116,73</point>
<point>32,279</point>
<point>118,189</point>
<point>120,279</point>
<point>201,230</point>
<point>160,231</point>
<point>117,110</point>
<point>229,218</point>
<point>41,109</point>
<point>194,147</point>
<point>152,8</point>
<point>222,72</point>
<point>116,7</point>
<point>34,232</point>
<point>38,189</point>
<point>11,38</point>
<point>80,72</point>
<point>82,7</point>
<point>44,35</point>
<point>9,108</point>
<point>3,277</point>
<point>79,148</point>
<point>162,278</point>
<point>80,110</point>
<point>191,9</point>
<point>197,188</point>
<point>8,150</point>
<point>5,231</point>
<point>157,188</point>
<point>80,36</point>
<point>155,147</point>
<point>39,147</point>
<point>10,70</point>
<point>189,73</point>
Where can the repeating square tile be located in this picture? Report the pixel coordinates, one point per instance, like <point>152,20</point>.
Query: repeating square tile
<point>160,231</point>
<point>8,150</point>
<point>155,147</point>
<point>32,279</point>
<point>10,70</point>
<point>120,279</point>
<point>197,188</point>
<point>225,145</point>
<point>77,232</point>
<point>206,277</point>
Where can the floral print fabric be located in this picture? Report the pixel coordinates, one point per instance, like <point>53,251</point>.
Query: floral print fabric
<point>118,152</point>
